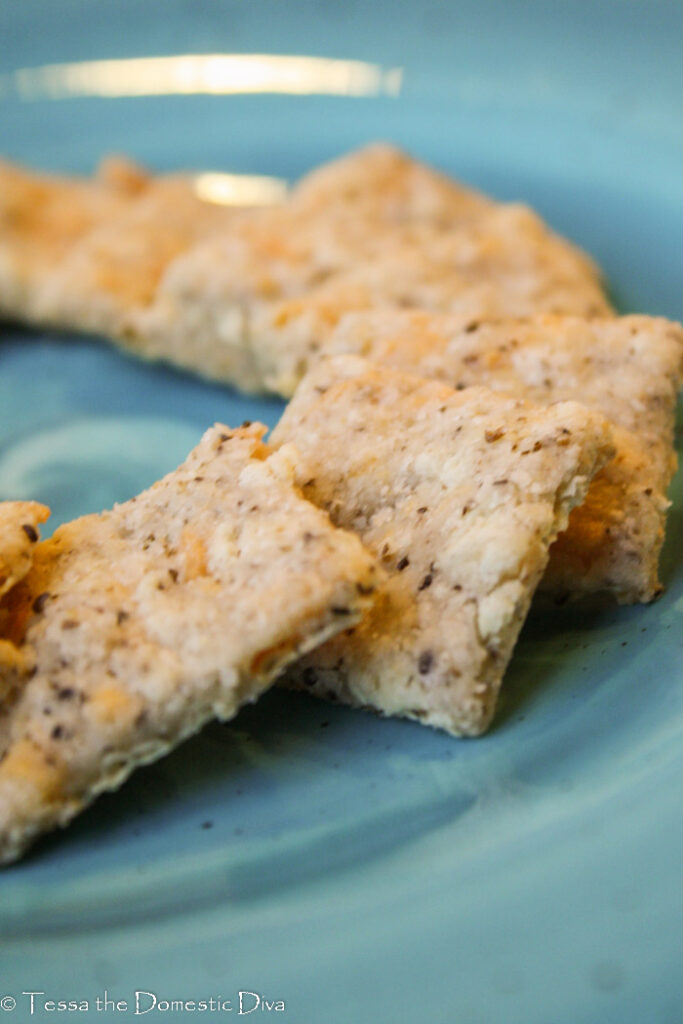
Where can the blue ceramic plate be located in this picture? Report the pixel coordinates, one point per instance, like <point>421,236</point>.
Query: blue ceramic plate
<point>361,870</point>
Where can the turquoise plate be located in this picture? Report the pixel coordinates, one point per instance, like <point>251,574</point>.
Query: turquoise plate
<point>360,870</point>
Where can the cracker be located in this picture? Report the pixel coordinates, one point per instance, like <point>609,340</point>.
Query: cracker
<point>142,623</point>
<point>44,217</point>
<point>460,495</point>
<point>83,254</point>
<point>629,368</point>
<point>373,229</point>
<point>250,296</point>
<point>19,534</point>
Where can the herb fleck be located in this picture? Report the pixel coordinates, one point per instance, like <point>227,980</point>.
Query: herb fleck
<point>40,602</point>
<point>425,662</point>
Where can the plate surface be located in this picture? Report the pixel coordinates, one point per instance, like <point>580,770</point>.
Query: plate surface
<point>366,871</point>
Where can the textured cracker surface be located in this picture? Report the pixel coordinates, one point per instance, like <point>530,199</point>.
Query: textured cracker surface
<point>19,522</point>
<point>136,626</point>
<point>460,495</point>
<point>629,368</point>
<point>19,535</point>
<point>83,254</point>
<point>250,296</point>
<point>42,219</point>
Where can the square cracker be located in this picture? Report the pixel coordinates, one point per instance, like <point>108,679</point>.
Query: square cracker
<point>460,495</point>
<point>629,368</point>
<point>250,296</point>
<point>140,624</point>
<point>375,228</point>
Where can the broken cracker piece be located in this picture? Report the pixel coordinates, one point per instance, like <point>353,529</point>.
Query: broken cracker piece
<point>460,495</point>
<point>628,368</point>
<point>144,622</point>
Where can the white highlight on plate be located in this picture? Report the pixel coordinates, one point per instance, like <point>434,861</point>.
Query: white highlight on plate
<point>211,73</point>
<point>239,189</point>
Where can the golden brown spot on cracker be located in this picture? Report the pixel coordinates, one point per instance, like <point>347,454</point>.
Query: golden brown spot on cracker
<point>493,359</point>
<point>194,552</point>
<point>11,656</point>
<point>121,174</point>
<point>494,435</point>
<point>110,704</point>
<point>288,312</point>
<point>27,763</point>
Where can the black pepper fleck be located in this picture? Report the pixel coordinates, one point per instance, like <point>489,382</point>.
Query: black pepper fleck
<point>40,603</point>
<point>30,532</point>
<point>403,564</point>
<point>425,662</point>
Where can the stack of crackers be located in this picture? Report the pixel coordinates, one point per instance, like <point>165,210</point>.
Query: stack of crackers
<point>469,421</point>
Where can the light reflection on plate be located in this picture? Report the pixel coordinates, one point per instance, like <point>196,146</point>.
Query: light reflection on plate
<point>239,189</point>
<point>214,74</point>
